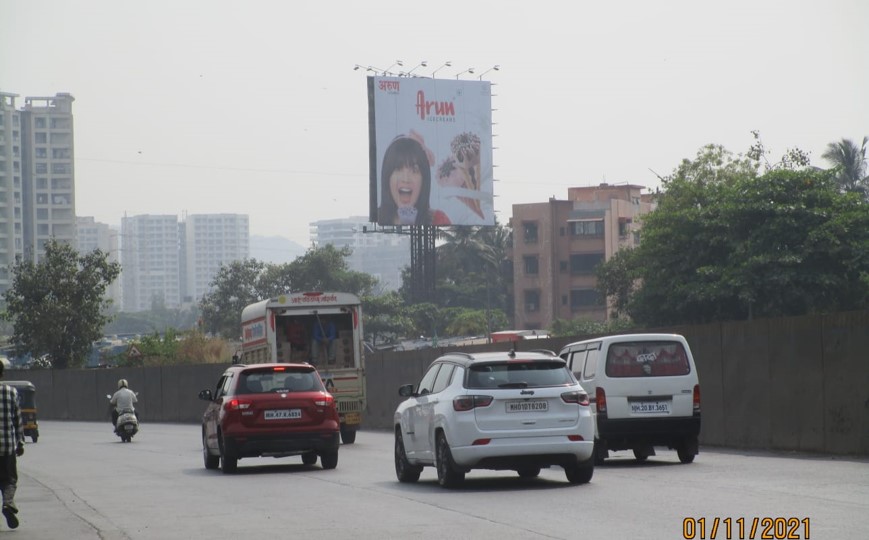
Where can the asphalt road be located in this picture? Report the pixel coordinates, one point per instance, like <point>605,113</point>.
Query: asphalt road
<point>80,482</point>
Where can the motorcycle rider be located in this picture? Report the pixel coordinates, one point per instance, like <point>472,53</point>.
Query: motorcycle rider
<point>122,400</point>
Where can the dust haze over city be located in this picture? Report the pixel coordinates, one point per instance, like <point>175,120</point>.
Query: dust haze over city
<point>255,108</point>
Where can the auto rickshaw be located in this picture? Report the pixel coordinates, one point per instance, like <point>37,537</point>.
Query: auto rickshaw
<point>27,404</point>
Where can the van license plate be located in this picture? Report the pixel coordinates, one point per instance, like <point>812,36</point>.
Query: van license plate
<point>283,414</point>
<point>534,405</point>
<point>650,407</point>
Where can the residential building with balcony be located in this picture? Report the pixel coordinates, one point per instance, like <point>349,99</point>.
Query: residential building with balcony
<point>37,177</point>
<point>558,245</point>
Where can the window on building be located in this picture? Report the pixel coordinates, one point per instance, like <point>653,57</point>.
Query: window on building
<point>585,263</point>
<point>586,228</point>
<point>624,227</point>
<point>60,123</point>
<point>40,137</point>
<point>531,265</point>
<point>40,168</point>
<point>529,232</point>
<point>581,299</point>
<point>532,301</point>
<point>41,153</point>
<point>42,213</point>
<point>562,267</point>
<point>40,122</point>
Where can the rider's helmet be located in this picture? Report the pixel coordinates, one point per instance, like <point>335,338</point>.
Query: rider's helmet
<point>122,383</point>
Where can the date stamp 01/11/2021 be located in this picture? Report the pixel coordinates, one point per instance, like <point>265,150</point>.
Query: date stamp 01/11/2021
<point>760,528</point>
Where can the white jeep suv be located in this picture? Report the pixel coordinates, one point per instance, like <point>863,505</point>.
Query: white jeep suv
<point>511,410</point>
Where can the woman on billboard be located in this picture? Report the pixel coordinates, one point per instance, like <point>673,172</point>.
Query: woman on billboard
<point>405,184</point>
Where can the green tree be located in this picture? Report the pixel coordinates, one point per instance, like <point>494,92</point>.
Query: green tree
<point>241,283</point>
<point>57,305</point>
<point>727,244</point>
<point>849,164</point>
<point>236,285</point>
<point>384,318</point>
<point>325,269</point>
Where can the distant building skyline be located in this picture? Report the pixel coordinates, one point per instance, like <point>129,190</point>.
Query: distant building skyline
<point>37,177</point>
<point>379,254</point>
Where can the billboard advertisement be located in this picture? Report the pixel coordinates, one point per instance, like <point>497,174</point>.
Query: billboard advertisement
<point>430,151</point>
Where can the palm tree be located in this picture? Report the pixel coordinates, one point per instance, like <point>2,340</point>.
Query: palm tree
<point>850,163</point>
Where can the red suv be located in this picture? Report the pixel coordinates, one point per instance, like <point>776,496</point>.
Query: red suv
<point>272,410</point>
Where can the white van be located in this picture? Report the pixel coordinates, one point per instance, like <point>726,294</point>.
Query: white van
<point>644,391</point>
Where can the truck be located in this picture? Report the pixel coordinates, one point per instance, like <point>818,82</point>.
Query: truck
<point>270,334</point>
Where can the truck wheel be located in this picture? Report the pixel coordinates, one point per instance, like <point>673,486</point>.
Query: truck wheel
<point>348,435</point>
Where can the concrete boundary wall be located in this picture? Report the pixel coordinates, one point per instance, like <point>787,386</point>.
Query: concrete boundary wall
<point>795,383</point>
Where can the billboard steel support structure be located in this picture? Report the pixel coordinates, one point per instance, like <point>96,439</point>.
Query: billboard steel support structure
<point>422,263</point>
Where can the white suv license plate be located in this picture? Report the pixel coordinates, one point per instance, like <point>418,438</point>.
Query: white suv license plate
<point>283,414</point>
<point>533,405</point>
<point>650,407</point>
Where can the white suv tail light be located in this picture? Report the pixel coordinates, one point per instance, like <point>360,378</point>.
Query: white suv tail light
<point>467,403</point>
<point>580,398</point>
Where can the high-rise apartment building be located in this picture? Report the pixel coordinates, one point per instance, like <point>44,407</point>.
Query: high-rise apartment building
<point>379,254</point>
<point>557,246</point>
<point>37,177</point>
<point>91,235</point>
<point>150,260</point>
<point>211,241</point>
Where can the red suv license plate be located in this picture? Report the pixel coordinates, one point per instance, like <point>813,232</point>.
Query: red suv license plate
<point>283,414</point>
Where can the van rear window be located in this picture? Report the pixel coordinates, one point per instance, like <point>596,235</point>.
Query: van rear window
<point>647,359</point>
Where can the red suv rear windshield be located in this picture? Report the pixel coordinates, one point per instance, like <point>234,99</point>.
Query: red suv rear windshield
<point>270,380</point>
<point>647,359</point>
<point>517,373</point>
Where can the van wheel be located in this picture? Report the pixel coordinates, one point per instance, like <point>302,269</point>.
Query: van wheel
<point>529,472</point>
<point>309,458</point>
<point>687,449</point>
<point>600,452</point>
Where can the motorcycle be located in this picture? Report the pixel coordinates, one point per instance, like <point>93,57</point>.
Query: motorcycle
<point>127,424</point>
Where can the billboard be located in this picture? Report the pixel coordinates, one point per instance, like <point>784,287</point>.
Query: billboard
<point>430,151</point>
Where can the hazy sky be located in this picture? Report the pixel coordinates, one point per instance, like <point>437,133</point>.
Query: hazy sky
<point>206,106</point>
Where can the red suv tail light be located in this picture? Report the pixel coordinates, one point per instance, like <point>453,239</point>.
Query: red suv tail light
<point>466,403</point>
<point>580,398</point>
<point>696,400</point>
<point>600,400</point>
<point>326,400</point>
<point>237,404</point>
